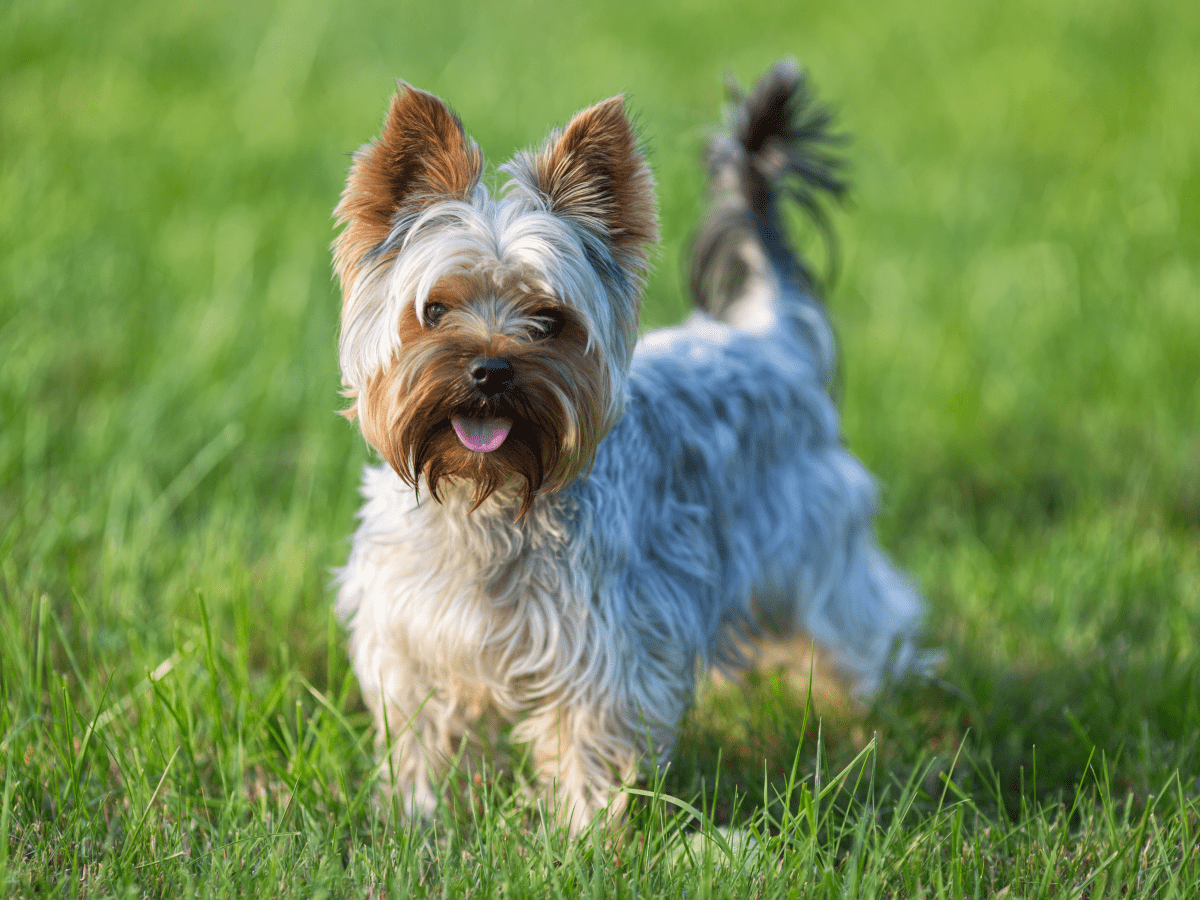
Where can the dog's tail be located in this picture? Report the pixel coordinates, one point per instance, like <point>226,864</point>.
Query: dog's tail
<point>780,147</point>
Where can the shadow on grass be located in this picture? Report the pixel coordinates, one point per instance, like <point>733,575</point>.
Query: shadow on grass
<point>1009,740</point>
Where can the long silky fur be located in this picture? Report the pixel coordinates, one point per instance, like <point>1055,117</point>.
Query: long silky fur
<point>721,503</point>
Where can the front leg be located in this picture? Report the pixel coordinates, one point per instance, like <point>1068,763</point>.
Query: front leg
<point>587,749</point>
<point>424,729</point>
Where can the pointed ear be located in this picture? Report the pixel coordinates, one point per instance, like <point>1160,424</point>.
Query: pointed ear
<point>421,156</point>
<point>593,173</point>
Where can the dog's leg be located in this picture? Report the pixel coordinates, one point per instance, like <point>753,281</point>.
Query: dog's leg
<point>425,730</point>
<point>831,581</point>
<point>580,764</point>
<point>586,749</point>
<point>406,710</point>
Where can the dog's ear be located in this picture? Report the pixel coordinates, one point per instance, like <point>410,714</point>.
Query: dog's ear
<point>593,173</point>
<point>421,156</point>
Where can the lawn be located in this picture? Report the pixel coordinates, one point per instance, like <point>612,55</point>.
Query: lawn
<point>1017,306</point>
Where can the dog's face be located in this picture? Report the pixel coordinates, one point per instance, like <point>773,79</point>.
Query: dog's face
<point>488,339</point>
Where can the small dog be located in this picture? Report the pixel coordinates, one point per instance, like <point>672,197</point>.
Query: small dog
<point>570,521</point>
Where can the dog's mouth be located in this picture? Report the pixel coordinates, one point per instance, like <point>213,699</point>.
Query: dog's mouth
<point>481,435</point>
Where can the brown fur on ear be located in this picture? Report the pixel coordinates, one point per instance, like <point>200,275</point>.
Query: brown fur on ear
<point>594,172</point>
<point>421,155</point>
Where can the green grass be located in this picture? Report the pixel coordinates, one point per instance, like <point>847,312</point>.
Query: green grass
<point>1020,331</point>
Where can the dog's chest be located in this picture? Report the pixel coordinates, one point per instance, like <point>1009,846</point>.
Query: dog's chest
<point>474,597</point>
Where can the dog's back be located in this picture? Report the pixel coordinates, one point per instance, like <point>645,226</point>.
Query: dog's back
<point>751,495</point>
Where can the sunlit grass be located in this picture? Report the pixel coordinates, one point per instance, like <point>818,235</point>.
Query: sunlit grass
<point>1017,313</point>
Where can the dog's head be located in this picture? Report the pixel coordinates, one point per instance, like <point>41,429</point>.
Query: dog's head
<point>484,338</point>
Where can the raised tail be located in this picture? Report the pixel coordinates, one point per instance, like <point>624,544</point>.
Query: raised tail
<point>780,147</point>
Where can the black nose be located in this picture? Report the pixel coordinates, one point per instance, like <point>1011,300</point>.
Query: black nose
<point>490,374</point>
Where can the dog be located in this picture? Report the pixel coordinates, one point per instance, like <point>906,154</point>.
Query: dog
<point>570,523</point>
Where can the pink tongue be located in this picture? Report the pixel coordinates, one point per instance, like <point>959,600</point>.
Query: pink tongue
<point>481,435</point>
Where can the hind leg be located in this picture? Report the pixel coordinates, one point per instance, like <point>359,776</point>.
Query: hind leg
<point>831,580</point>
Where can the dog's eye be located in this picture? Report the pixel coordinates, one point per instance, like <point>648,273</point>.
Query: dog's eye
<point>433,314</point>
<point>547,323</point>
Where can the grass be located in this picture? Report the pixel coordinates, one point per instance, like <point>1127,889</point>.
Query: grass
<point>1018,317</point>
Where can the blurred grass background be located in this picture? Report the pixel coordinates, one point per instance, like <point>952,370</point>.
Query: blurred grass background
<point>1017,307</point>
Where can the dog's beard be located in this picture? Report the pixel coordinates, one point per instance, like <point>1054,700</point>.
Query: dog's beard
<point>558,403</point>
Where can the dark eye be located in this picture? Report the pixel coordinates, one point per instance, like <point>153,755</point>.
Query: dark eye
<point>547,323</point>
<point>433,314</point>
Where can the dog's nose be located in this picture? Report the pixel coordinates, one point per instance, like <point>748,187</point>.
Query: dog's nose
<point>490,374</point>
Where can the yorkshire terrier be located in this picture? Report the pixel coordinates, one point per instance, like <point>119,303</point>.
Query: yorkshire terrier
<point>572,522</point>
